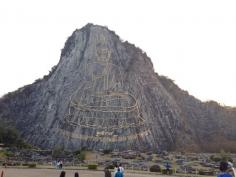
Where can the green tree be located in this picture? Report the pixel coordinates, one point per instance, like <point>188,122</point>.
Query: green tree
<point>225,156</point>
<point>58,152</point>
<point>80,154</point>
<point>10,136</point>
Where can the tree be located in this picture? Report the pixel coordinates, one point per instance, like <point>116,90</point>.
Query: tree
<point>58,152</point>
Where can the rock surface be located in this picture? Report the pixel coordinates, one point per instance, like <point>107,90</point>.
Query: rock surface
<point>104,94</point>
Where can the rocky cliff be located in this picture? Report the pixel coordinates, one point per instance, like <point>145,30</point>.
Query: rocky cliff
<point>104,94</point>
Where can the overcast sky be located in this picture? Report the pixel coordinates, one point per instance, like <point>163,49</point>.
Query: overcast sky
<point>192,42</point>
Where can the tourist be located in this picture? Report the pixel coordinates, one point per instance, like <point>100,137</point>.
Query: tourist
<point>76,174</point>
<point>63,174</point>
<point>2,173</point>
<point>107,172</point>
<point>60,164</point>
<point>121,169</point>
<point>115,169</point>
<point>118,173</point>
<point>223,170</point>
<point>231,169</point>
<point>168,168</point>
<point>54,164</point>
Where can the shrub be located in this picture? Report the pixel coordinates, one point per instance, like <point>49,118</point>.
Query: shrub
<point>82,155</point>
<point>215,158</point>
<point>170,171</point>
<point>110,167</point>
<point>203,172</point>
<point>155,168</point>
<point>9,136</point>
<point>107,151</point>
<point>9,164</point>
<point>58,152</point>
<point>2,154</point>
<point>92,166</point>
<point>17,163</point>
<point>32,165</point>
<point>77,152</point>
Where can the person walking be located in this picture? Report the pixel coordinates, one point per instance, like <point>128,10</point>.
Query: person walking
<point>118,173</point>
<point>115,169</point>
<point>223,170</point>
<point>2,173</point>
<point>107,172</point>
<point>168,171</point>
<point>60,164</point>
<point>231,169</point>
<point>63,174</point>
<point>122,170</point>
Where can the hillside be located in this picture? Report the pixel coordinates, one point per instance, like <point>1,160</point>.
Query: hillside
<point>104,94</point>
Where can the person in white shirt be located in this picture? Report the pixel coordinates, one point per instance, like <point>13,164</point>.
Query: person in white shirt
<point>115,169</point>
<point>232,169</point>
<point>122,170</point>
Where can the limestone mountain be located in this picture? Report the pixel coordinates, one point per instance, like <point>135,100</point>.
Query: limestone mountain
<point>104,94</point>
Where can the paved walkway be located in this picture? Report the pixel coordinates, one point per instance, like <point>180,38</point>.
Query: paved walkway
<point>11,172</point>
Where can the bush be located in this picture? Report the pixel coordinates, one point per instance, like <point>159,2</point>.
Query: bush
<point>17,163</point>
<point>107,151</point>
<point>203,172</point>
<point>110,167</point>
<point>2,154</point>
<point>32,165</point>
<point>10,164</point>
<point>9,153</point>
<point>81,155</point>
<point>155,168</point>
<point>170,171</point>
<point>9,136</point>
<point>215,158</point>
<point>58,152</point>
<point>92,166</point>
<point>77,152</point>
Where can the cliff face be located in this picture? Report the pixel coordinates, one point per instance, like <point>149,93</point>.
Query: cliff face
<point>211,125</point>
<point>104,94</point>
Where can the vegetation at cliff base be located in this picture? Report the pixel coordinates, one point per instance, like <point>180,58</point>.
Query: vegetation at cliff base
<point>10,137</point>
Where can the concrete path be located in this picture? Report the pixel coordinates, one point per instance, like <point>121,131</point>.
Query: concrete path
<point>11,172</point>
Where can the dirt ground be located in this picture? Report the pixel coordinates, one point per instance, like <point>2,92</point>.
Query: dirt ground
<point>11,172</point>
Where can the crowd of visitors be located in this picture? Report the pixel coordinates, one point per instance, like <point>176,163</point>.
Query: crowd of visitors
<point>226,170</point>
